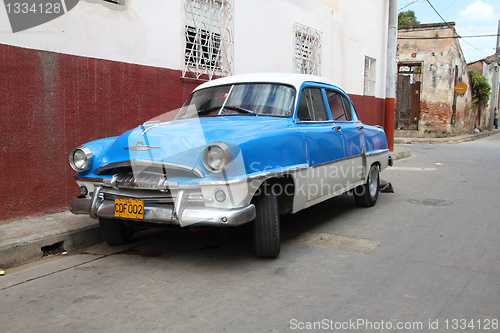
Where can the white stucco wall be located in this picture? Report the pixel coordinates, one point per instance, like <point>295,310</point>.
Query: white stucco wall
<point>264,37</point>
<point>150,32</point>
<point>146,32</point>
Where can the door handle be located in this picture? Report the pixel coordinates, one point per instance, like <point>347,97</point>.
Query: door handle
<point>337,128</point>
<point>360,127</point>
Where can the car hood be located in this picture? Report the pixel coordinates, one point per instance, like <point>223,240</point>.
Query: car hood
<point>182,142</point>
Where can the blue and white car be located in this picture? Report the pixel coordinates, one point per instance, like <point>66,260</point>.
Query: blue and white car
<point>242,149</point>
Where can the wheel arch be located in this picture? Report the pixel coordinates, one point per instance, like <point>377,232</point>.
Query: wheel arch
<point>283,186</point>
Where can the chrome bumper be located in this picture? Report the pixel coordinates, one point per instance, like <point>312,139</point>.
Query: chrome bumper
<point>183,214</point>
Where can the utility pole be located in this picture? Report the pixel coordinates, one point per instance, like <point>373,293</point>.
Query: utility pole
<point>390,90</point>
<point>495,88</point>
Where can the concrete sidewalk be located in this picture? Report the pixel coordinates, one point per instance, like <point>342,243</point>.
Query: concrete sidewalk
<point>23,240</point>
<point>451,139</point>
<point>27,239</point>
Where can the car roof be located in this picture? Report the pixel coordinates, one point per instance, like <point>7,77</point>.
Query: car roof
<point>295,80</point>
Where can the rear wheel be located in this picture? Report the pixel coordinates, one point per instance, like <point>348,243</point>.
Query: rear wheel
<point>366,195</point>
<point>115,232</point>
<point>266,227</point>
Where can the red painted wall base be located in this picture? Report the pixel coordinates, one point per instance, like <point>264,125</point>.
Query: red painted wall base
<point>50,103</point>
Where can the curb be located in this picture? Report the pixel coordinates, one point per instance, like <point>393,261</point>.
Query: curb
<point>400,153</point>
<point>29,239</point>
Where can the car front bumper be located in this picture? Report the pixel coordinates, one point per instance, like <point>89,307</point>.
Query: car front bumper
<point>181,212</point>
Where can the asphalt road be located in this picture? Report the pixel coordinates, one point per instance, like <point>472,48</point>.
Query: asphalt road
<point>424,259</point>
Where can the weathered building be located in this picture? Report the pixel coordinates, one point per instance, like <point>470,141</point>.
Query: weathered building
<point>486,68</point>
<point>430,65</point>
<point>109,65</point>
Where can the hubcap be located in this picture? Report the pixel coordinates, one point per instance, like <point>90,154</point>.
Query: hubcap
<point>373,181</point>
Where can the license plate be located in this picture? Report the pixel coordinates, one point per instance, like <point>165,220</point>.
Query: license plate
<point>129,208</point>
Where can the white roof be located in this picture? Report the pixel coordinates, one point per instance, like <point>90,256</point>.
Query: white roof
<point>295,80</point>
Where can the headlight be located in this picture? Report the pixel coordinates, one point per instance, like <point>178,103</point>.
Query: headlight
<point>216,157</point>
<point>81,159</point>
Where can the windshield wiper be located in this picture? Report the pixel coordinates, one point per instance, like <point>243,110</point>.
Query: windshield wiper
<point>208,110</point>
<point>201,112</point>
<point>240,109</point>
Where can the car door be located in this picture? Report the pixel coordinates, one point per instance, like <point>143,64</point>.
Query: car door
<point>341,109</point>
<point>323,141</point>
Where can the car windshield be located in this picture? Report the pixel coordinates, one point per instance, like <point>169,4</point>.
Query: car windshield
<point>249,99</point>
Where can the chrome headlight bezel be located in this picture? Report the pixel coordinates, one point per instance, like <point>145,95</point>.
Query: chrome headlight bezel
<point>83,161</point>
<point>216,157</point>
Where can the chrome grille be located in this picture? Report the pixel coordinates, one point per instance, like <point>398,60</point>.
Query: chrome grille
<point>143,180</point>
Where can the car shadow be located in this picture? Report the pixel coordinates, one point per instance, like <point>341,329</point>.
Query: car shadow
<point>232,243</point>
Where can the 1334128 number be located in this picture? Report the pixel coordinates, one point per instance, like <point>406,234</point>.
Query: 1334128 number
<point>35,8</point>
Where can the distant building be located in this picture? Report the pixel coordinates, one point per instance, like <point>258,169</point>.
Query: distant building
<point>430,64</point>
<point>486,68</point>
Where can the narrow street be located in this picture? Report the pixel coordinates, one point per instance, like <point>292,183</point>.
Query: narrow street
<point>424,259</point>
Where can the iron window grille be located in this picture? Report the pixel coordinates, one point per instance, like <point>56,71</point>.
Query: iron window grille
<point>307,50</point>
<point>208,39</point>
<point>370,75</point>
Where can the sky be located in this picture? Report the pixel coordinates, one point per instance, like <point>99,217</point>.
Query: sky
<point>472,18</point>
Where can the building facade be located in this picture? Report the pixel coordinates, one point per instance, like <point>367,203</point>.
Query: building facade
<point>106,66</point>
<point>430,65</point>
<point>486,67</point>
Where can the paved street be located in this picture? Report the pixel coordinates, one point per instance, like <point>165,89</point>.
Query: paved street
<point>424,259</point>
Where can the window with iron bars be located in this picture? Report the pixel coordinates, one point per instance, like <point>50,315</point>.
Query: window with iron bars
<point>370,75</point>
<point>208,34</point>
<point>307,50</point>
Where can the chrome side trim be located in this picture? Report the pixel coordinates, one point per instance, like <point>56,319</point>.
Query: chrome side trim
<point>378,152</point>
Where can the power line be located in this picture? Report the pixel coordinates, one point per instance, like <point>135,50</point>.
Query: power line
<point>413,2</point>
<point>458,36</point>
<point>449,26</point>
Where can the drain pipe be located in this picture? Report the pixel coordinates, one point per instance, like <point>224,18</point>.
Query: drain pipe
<point>390,90</point>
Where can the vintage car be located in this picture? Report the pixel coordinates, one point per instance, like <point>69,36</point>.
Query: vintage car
<point>242,149</point>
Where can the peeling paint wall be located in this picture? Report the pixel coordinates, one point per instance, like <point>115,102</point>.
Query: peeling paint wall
<point>486,68</point>
<point>443,65</point>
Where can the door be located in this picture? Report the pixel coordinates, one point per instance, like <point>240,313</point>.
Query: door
<point>408,96</point>
<point>351,169</point>
<point>324,143</point>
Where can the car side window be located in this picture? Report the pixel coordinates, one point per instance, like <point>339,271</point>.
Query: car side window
<point>311,105</point>
<point>336,104</point>
<point>347,107</point>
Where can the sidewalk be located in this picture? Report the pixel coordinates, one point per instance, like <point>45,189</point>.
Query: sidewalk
<point>23,240</point>
<point>27,239</point>
<point>453,139</point>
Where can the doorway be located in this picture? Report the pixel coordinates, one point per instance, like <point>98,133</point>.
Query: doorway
<point>408,96</point>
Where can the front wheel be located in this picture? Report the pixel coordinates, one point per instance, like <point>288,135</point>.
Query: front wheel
<point>366,195</point>
<point>115,232</point>
<point>266,227</point>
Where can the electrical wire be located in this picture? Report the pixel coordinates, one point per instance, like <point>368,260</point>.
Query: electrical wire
<point>400,9</point>
<point>458,36</point>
